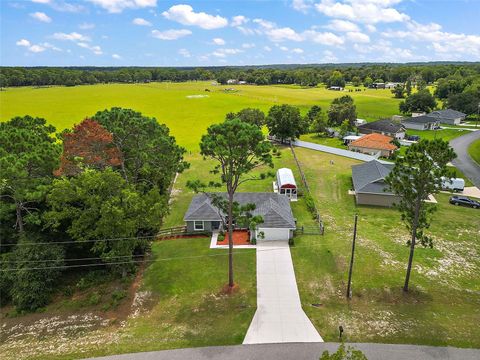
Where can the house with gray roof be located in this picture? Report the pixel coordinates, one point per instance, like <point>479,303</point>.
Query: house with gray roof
<point>278,221</point>
<point>370,186</point>
<point>384,127</point>
<point>448,116</point>
<point>422,122</point>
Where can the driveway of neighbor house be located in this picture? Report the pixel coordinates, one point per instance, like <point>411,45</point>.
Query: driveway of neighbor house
<point>279,317</point>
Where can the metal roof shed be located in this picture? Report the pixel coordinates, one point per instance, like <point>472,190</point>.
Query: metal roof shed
<point>286,183</point>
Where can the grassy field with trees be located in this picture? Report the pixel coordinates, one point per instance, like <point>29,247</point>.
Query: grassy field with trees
<point>172,103</point>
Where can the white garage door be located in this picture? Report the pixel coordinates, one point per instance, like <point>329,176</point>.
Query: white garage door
<point>274,233</point>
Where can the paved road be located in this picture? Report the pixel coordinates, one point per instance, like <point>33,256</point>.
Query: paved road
<point>336,151</point>
<point>305,351</point>
<point>463,161</point>
<point>279,317</point>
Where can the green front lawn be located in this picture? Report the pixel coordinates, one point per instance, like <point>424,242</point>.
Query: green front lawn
<point>474,151</point>
<point>179,303</point>
<point>327,141</point>
<point>445,134</point>
<point>443,307</point>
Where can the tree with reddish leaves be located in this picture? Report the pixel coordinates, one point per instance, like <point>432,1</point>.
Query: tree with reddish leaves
<point>88,145</point>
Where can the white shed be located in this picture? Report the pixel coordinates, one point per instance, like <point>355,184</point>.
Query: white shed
<point>286,184</point>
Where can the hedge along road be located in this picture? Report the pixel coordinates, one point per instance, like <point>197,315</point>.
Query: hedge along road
<point>463,161</point>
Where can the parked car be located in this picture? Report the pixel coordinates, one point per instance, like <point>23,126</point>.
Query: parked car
<point>455,184</point>
<point>464,201</point>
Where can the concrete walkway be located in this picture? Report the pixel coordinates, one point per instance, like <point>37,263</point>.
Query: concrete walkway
<point>336,151</point>
<point>310,351</point>
<point>279,317</point>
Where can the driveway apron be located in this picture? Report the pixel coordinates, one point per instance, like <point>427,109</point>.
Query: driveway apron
<point>279,317</point>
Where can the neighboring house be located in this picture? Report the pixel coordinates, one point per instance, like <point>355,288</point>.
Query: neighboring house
<point>349,138</point>
<point>369,184</point>
<point>423,122</point>
<point>360,122</point>
<point>335,88</point>
<point>448,116</point>
<point>232,81</point>
<point>372,144</point>
<point>384,127</point>
<point>286,184</point>
<point>377,86</point>
<point>278,221</point>
<point>392,85</point>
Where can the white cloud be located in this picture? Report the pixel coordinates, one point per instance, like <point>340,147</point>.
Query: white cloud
<point>185,15</point>
<point>36,48</point>
<point>218,41</point>
<point>302,5</point>
<point>61,6</point>
<point>298,51</point>
<point>283,48</point>
<point>221,53</point>
<point>170,34</point>
<point>324,38</point>
<point>50,46</point>
<point>41,16</point>
<point>342,25</point>
<point>97,50</point>
<point>329,57</point>
<point>86,26</point>
<point>267,48</point>
<point>358,37</point>
<point>441,42</point>
<point>116,56</point>
<point>185,53</point>
<point>23,42</point>
<point>41,1</point>
<point>141,22</point>
<point>366,11</point>
<point>117,6</point>
<point>248,45</point>
<point>238,20</point>
<point>73,36</point>
<point>371,27</point>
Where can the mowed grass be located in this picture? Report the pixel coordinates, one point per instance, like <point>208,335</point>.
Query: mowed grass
<point>183,306</point>
<point>187,118</point>
<point>474,151</point>
<point>443,306</point>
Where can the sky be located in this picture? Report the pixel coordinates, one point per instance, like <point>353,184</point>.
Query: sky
<point>230,32</point>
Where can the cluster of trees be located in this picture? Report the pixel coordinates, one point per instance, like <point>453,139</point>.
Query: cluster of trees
<point>91,196</point>
<point>305,75</point>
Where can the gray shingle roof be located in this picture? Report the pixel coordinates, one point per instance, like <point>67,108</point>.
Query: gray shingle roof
<point>274,208</point>
<point>447,114</point>
<point>423,119</point>
<point>369,177</point>
<point>384,125</point>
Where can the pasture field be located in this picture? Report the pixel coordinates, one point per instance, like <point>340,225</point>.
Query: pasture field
<point>172,104</point>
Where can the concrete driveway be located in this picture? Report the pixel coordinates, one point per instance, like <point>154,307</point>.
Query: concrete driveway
<point>463,161</point>
<point>279,317</point>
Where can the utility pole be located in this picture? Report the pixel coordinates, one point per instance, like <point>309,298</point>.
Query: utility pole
<point>349,291</point>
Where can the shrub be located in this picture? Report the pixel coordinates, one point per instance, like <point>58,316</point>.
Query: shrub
<point>310,205</point>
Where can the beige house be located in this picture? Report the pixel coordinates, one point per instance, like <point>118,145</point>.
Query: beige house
<point>372,144</point>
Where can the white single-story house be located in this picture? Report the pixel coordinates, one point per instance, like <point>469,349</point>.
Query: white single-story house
<point>278,221</point>
<point>286,184</point>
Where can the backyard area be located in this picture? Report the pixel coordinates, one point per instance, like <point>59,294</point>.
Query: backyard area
<point>443,306</point>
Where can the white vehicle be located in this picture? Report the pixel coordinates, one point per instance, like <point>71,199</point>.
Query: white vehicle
<point>455,184</point>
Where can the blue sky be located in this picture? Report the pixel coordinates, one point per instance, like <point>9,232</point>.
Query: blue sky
<point>229,32</point>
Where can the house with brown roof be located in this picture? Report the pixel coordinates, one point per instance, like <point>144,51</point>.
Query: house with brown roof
<point>373,144</point>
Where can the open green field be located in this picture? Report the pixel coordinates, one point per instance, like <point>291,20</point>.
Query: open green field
<point>443,307</point>
<point>474,151</point>
<point>186,117</point>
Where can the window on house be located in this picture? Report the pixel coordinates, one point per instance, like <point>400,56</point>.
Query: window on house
<point>198,225</point>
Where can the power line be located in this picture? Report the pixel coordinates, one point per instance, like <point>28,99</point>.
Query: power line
<point>80,241</point>
<point>147,260</point>
<point>78,259</point>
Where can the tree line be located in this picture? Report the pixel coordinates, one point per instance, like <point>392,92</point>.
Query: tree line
<point>304,75</point>
<point>91,196</point>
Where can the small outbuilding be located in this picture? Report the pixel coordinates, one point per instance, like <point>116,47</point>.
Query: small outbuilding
<point>286,184</point>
